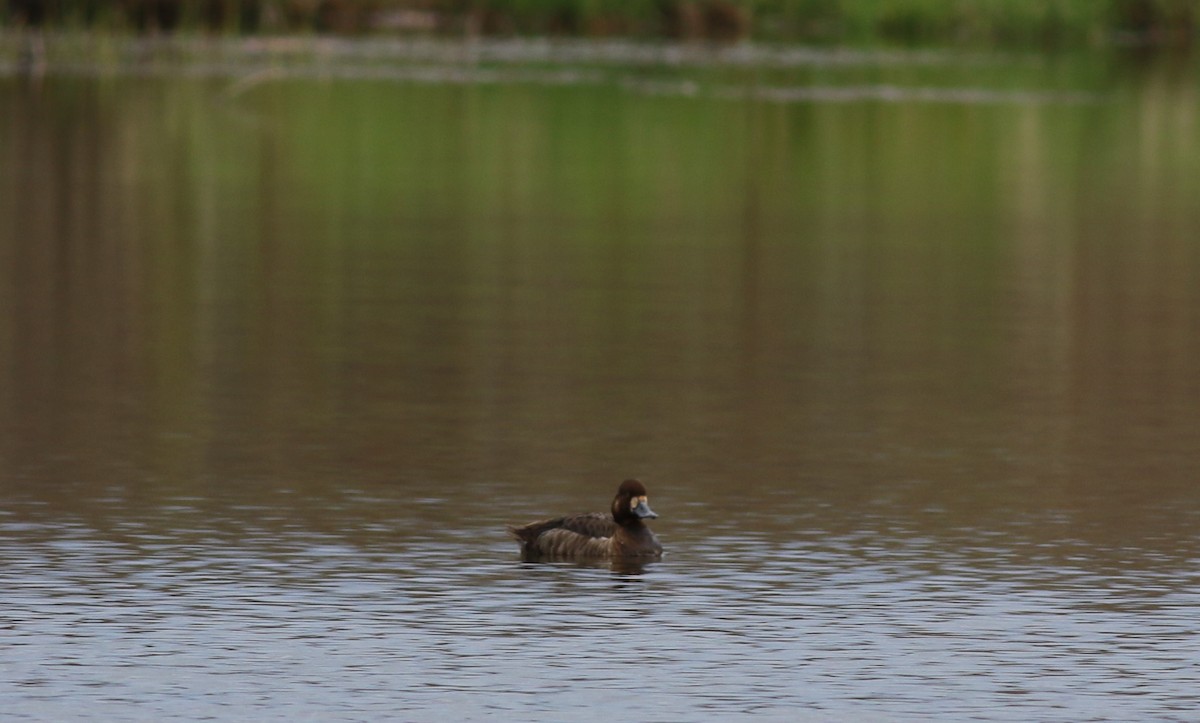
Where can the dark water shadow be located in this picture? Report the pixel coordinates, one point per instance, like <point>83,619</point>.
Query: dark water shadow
<point>621,567</point>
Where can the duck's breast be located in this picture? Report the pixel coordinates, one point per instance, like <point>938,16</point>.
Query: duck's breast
<point>636,543</point>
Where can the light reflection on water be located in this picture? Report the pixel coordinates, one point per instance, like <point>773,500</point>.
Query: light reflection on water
<point>243,618</point>
<point>636,67</point>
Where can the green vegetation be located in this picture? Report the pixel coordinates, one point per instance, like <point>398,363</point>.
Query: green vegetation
<point>999,22</point>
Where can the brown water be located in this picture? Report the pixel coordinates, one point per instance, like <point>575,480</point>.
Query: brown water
<point>906,348</point>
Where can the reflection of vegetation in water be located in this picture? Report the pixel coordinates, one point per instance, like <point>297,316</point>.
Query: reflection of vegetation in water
<point>239,270</point>
<point>1022,22</point>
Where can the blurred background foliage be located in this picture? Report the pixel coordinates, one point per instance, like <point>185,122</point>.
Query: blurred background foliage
<point>988,22</point>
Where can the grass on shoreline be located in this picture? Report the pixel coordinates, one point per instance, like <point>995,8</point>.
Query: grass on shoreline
<point>1029,23</point>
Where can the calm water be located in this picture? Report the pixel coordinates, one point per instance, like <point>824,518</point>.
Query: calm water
<point>905,346</point>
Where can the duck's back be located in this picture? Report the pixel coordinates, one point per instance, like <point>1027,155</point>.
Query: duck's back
<point>575,536</point>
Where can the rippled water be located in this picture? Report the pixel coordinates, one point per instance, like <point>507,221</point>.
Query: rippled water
<point>250,616</point>
<point>904,346</point>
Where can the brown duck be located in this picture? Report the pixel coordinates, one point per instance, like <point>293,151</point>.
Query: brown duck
<point>621,534</point>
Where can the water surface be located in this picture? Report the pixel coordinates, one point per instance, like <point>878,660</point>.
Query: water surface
<point>904,347</point>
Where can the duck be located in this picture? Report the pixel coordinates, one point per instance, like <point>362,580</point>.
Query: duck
<point>621,534</point>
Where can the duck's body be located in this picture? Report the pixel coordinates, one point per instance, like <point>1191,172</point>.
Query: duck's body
<point>621,534</point>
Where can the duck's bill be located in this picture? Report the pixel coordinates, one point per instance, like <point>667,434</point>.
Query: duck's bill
<point>642,510</point>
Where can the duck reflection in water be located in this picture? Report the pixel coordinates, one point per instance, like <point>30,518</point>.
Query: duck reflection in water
<point>620,537</point>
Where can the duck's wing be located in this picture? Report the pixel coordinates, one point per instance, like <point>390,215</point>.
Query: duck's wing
<point>593,524</point>
<point>574,536</point>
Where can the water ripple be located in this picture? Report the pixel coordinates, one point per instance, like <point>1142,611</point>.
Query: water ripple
<point>272,626</point>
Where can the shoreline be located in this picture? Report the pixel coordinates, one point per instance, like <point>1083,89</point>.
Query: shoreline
<point>1013,24</point>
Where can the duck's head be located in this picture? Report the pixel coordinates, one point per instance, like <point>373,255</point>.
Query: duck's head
<point>631,504</point>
